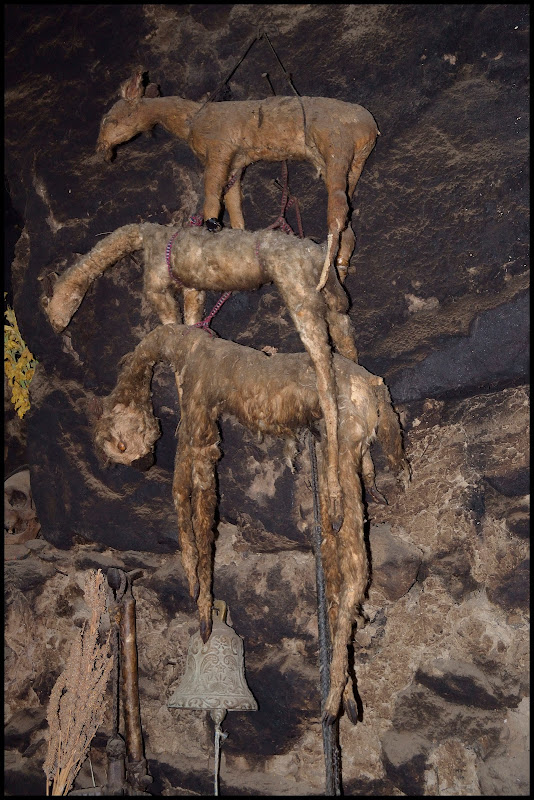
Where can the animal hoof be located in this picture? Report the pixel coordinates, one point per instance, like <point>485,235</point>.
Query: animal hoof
<point>194,591</point>
<point>377,496</point>
<point>351,711</point>
<point>205,631</point>
<point>336,515</point>
<point>328,719</point>
<point>213,225</point>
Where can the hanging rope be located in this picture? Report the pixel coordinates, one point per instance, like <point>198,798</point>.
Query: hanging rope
<point>288,200</point>
<point>284,70</point>
<point>332,753</point>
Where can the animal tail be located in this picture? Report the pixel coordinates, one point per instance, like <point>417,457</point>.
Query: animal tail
<point>71,287</point>
<point>332,245</point>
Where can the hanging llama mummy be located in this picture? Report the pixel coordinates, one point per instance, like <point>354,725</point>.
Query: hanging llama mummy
<point>271,395</point>
<point>232,260</point>
<point>335,136</point>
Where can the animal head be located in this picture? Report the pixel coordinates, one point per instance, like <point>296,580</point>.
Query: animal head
<point>123,120</point>
<point>126,433</point>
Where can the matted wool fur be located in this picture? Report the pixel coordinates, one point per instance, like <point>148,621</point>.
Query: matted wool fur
<point>234,260</point>
<point>335,136</point>
<point>274,395</point>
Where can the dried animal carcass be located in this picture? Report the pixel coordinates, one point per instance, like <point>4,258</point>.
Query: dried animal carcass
<point>335,136</point>
<point>271,395</point>
<point>233,260</point>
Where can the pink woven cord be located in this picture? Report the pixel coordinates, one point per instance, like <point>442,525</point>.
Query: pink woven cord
<point>168,258</point>
<point>287,201</point>
<point>205,324</point>
<point>197,220</point>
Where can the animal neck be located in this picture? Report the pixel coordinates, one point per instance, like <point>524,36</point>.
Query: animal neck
<point>133,383</point>
<point>167,344</point>
<point>173,113</point>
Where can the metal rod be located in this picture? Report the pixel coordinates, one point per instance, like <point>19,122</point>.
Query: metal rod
<point>331,749</point>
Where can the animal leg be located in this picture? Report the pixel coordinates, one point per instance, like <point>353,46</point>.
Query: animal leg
<point>352,559</point>
<point>332,241</point>
<point>368,477</point>
<point>216,174</point>
<point>347,242</point>
<point>72,285</point>
<point>336,177</point>
<point>311,324</point>
<point>332,574</point>
<point>234,205</point>
<point>193,306</point>
<point>389,434</point>
<point>329,554</point>
<point>204,502</point>
<point>159,294</point>
<point>342,334</point>
<point>348,239</point>
<point>181,493</point>
<point>164,306</point>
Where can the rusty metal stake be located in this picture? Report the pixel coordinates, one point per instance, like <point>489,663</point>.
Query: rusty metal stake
<point>136,765</point>
<point>127,766</point>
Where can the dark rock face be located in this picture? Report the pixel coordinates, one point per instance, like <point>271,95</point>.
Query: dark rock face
<point>438,285</point>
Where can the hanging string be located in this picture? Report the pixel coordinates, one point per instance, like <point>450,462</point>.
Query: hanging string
<point>286,73</point>
<point>288,200</point>
<point>332,754</point>
<point>225,81</point>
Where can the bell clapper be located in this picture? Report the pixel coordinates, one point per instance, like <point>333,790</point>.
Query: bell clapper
<point>217,715</point>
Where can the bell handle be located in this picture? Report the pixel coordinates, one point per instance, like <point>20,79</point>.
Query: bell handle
<point>219,610</point>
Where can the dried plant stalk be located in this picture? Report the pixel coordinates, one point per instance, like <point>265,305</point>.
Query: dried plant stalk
<point>77,702</point>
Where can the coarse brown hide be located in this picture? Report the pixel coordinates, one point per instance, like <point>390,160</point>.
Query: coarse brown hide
<point>274,395</point>
<point>232,260</point>
<point>335,136</point>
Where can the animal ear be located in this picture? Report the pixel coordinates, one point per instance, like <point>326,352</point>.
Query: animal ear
<point>95,408</point>
<point>152,90</point>
<point>48,282</point>
<point>132,89</point>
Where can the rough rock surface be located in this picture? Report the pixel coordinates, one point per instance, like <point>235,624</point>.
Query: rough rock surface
<point>439,297</point>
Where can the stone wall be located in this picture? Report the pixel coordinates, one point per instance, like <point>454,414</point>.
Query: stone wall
<point>439,298</point>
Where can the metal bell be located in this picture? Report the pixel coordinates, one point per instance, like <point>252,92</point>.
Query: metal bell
<point>214,676</point>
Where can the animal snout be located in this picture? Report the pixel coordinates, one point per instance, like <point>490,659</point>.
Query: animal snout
<point>144,462</point>
<point>105,151</point>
